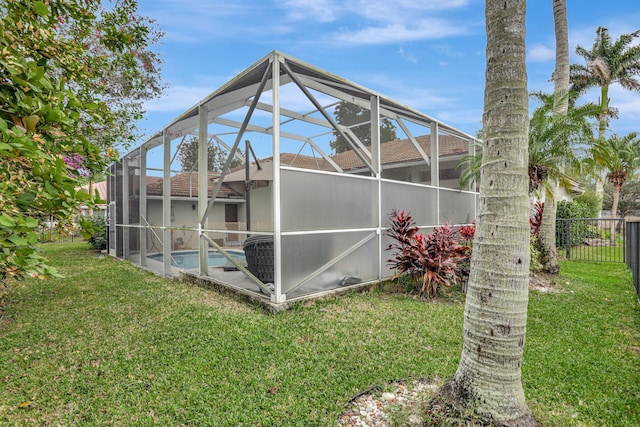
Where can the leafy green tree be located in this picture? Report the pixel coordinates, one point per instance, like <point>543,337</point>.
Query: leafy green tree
<point>607,63</point>
<point>553,141</point>
<point>629,201</point>
<point>188,156</point>
<point>580,229</point>
<point>51,117</point>
<point>358,120</point>
<point>123,77</point>
<point>126,72</point>
<point>590,199</point>
<point>620,156</point>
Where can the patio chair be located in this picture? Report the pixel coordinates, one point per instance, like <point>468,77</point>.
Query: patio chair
<point>258,251</point>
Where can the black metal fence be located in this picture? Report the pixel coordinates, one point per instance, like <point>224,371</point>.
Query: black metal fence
<point>53,235</point>
<point>591,239</point>
<point>633,252</point>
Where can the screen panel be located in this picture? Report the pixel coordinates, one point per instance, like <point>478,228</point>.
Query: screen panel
<point>303,255</point>
<point>419,201</point>
<point>318,201</point>
<point>456,207</point>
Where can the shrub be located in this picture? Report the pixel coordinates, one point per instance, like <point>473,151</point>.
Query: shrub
<point>573,209</point>
<point>537,254</point>
<point>579,229</point>
<point>95,229</point>
<point>436,259</point>
<point>591,201</point>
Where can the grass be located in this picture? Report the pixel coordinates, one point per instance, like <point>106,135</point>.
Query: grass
<point>596,253</point>
<point>113,345</point>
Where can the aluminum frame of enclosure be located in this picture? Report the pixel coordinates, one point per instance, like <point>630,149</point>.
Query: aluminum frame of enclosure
<point>326,223</point>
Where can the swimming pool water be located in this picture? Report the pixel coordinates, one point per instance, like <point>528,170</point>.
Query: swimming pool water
<point>189,259</point>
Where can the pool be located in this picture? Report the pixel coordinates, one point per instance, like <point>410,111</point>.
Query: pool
<point>190,259</point>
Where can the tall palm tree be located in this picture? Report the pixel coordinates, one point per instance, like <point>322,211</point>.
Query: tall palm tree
<point>560,107</point>
<point>552,144</point>
<point>607,63</point>
<point>553,139</point>
<point>621,158</point>
<point>561,73</point>
<point>488,378</point>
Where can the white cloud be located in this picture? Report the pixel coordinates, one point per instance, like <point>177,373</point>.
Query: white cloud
<point>400,10</point>
<point>399,32</point>
<point>377,10</point>
<point>195,22</point>
<point>541,53</point>
<point>470,119</point>
<point>317,10</point>
<point>628,105</point>
<point>407,57</point>
<point>378,21</point>
<point>178,98</point>
<point>416,97</point>
<point>292,98</point>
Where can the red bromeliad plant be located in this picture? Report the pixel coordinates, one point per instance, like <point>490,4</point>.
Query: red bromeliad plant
<point>434,258</point>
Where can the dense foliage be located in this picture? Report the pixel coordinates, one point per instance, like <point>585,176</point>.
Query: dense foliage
<point>358,120</point>
<point>217,156</point>
<point>629,203</point>
<point>98,239</point>
<point>574,209</point>
<point>579,229</point>
<point>70,75</point>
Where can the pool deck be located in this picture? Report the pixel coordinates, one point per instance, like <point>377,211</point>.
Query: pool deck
<point>233,279</point>
<point>238,284</point>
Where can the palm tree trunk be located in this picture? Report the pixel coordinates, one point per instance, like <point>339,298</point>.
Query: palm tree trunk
<point>488,378</point>
<point>602,135</point>
<point>614,212</point>
<point>560,106</point>
<point>548,234</point>
<point>561,73</point>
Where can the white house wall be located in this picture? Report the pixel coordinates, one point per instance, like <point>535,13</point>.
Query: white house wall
<point>184,216</point>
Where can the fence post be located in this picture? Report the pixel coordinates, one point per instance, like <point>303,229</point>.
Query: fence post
<point>567,237</point>
<point>632,252</point>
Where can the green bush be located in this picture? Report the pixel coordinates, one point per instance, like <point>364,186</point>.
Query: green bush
<point>579,229</point>
<point>574,209</point>
<point>98,231</point>
<point>591,201</point>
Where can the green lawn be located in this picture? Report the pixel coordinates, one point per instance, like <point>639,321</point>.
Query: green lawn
<point>113,345</point>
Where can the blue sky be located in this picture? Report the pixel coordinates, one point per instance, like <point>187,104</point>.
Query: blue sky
<point>427,54</point>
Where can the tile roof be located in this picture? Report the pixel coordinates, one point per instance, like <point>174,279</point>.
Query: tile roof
<point>186,185</point>
<point>100,187</point>
<point>392,152</point>
<point>402,150</point>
